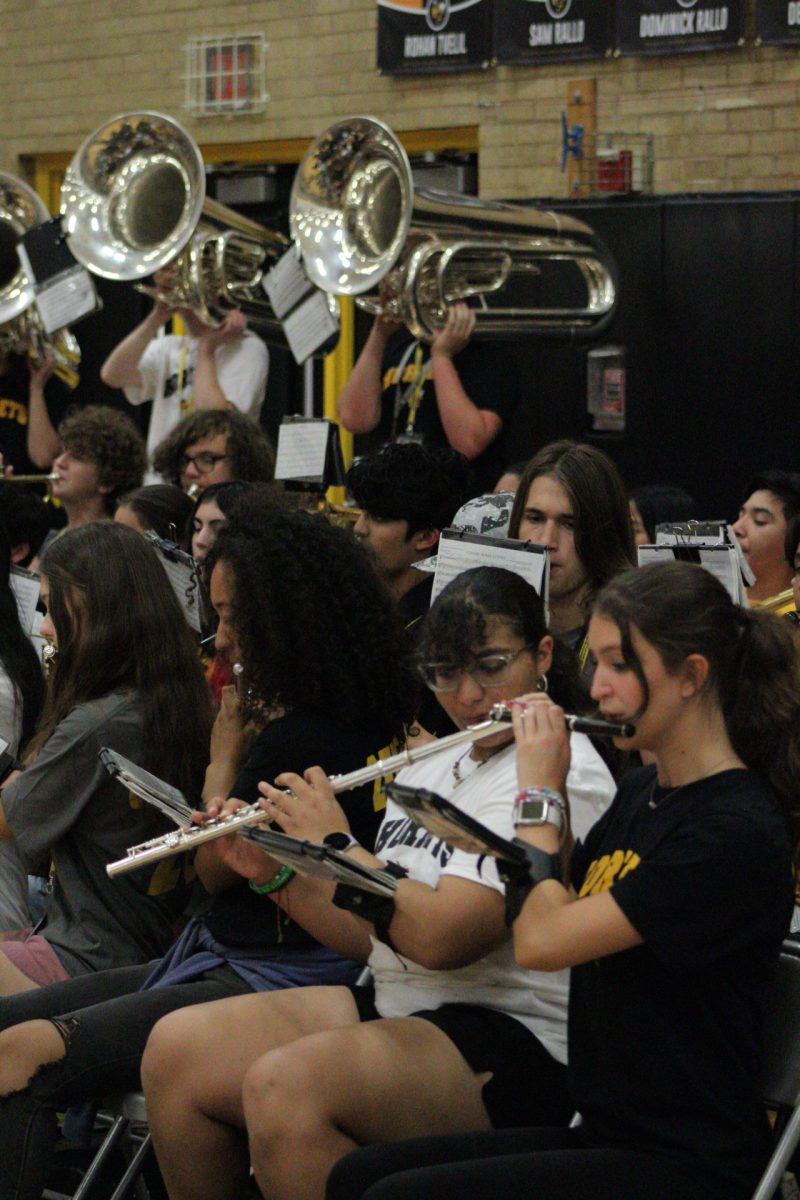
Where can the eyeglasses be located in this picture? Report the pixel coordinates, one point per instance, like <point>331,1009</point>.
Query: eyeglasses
<point>203,462</point>
<point>487,670</point>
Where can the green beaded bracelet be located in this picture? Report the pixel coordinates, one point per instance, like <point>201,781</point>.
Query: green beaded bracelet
<point>275,884</point>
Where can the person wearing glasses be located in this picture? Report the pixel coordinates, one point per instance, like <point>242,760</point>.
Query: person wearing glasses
<point>206,368</point>
<point>215,446</point>
<point>452,1036</point>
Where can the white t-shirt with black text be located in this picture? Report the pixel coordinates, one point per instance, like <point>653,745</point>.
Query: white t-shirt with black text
<point>537,999</point>
<point>167,369</point>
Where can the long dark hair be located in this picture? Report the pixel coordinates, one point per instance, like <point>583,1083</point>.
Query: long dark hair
<point>754,668</point>
<point>317,629</point>
<point>456,625</point>
<point>163,508</point>
<point>119,625</point>
<point>16,650</point>
<point>603,533</point>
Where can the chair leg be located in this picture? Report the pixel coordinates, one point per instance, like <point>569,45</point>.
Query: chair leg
<point>779,1160</point>
<point>128,1181</point>
<point>111,1140</point>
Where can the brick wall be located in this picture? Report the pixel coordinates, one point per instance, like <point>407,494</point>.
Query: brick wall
<point>722,121</point>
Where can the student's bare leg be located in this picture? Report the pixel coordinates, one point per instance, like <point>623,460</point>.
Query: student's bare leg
<point>313,1101</point>
<point>193,1070</point>
<point>12,979</point>
<point>23,1049</point>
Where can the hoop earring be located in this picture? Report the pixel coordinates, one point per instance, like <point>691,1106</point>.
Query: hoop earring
<point>541,683</point>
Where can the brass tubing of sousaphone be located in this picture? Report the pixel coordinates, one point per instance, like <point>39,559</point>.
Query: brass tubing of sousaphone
<point>362,227</point>
<point>134,203</point>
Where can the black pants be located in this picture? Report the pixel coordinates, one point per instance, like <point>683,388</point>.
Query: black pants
<point>516,1164</point>
<point>107,1022</point>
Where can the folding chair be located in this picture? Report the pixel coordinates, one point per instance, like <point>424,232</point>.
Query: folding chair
<point>125,1120</point>
<point>781,1087</point>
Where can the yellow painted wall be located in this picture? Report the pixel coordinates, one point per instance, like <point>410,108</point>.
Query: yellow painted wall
<point>723,121</point>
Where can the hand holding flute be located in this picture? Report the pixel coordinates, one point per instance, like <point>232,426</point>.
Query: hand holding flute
<point>543,749</point>
<point>253,814</point>
<point>235,853</point>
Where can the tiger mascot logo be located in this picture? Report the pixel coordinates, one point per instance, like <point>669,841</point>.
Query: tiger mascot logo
<point>437,14</point>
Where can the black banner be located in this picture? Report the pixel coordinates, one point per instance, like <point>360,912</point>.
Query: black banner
<point>670,26</point>
<point>778,20</point>
<point>433,35</point>
<point>536,30</point>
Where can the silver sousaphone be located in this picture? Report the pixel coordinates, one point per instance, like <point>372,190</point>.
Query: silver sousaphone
<point>134,202</point>
<point>363,230</point>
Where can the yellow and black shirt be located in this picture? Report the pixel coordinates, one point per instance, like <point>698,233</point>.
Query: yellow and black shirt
<point>408,398</point>
<point>14,389</point>
<point>664,1039</point>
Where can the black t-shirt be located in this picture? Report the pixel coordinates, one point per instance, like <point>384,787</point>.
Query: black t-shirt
<point>488,376</point>
<point>240,917</point>
<point>14,391</point>
<point>665,1038</point>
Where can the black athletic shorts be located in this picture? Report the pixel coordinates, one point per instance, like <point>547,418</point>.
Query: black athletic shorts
<point>528,1086</point>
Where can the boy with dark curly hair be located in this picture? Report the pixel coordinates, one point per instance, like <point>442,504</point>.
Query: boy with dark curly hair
<point>214,446</point>
<point>102,457</point>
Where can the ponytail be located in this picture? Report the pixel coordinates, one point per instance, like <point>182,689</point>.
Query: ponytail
<point>760,700</point>
<point>754,665</point>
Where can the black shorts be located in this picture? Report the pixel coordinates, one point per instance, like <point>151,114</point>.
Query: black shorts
<point>528,1086</point>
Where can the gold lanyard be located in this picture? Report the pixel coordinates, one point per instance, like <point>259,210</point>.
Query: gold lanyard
<point>583,652</point>
<point>187,405</point>
<point>412,396</point>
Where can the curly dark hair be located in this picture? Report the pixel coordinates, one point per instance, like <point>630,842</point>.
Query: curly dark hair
<point>252,456</point>
<point>109,439</point>
<point>406,482</point>
<point>315,625</point>
<point>227,496</point>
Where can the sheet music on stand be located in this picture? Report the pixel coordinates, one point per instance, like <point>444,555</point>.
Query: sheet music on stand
<point>25,586</point>
<point>693,533</point>
<point>458,551</point>
<point>181,571</point>
<point>707,533</point>
<point>64,290</point>
<point>721,560</point>
<point>309,453</point>
<point>309,316</point>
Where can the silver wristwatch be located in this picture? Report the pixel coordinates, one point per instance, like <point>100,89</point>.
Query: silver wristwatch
<point>540,806</point>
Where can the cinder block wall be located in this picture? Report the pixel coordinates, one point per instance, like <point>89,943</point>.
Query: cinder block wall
<point>722,121</point>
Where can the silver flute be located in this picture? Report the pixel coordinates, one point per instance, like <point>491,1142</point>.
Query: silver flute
<point>181,840</point>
